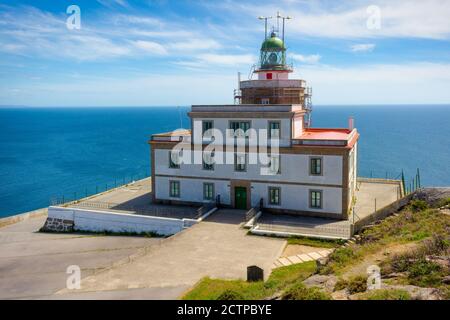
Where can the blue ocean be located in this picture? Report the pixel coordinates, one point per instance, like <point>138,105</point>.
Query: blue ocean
<point>50,152</point>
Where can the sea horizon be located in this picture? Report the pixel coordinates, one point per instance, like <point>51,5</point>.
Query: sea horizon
<point>189,105</point>
<point>48,152</point>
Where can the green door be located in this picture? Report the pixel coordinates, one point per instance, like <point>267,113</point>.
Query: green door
<point>240,197</point>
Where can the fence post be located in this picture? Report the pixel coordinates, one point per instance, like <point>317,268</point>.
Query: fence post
<point>418,176</point>
<point>403,183</point>
<point>375,205</point>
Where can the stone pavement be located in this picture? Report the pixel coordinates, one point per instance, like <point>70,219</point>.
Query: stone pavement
<point>218,247</point>
<point>300,258</point>
<point>33,265</point>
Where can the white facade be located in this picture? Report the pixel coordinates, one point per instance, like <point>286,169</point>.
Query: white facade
<point>295,182</point>
<point>294,168</point>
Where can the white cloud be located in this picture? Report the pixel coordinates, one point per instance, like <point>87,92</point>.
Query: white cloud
<point>309,59</point>
<point>366,47</point>
<point>228,59</point>
<point>348,20</point>
<point>418,83</point>
<point>195,44</point>
<point>150,47</point>
<point>379,83</point>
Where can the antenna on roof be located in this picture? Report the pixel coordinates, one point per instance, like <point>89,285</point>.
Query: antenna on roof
<point>279,16</point>
<point>265,25</point>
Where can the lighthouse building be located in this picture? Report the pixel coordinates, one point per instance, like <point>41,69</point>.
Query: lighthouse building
<point>313,172</point>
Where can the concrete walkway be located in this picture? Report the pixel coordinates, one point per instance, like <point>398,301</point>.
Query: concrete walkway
<point>374,194</point>
<point>217,247</point>
<point>300,258</point>
<point>33,265</point>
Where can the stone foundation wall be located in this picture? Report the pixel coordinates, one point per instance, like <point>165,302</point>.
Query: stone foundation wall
<point>58,225</point>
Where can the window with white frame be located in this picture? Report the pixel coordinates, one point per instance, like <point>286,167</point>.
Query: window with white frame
<point>240,162</point>
<point>207,125</point>
<point>315,200</point>
<point>174,159</point>
<point>274,129</point>
<point>208,161</point>
<point>274,165</point>
<point>174,189</point>
<point>315,166</point>
<point>208,191</point>
<point>274,195</point>
<point>239,128</point>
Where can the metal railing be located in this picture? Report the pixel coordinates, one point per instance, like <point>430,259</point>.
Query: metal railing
<point>253,211</point>
<point>343,231</point>
<point>163,211</point>
<point>94,189</point>
<point>204,209</point>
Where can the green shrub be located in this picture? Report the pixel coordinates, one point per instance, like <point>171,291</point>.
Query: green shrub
<point>442,203</point>
<point>385,294</point>
<point>230,295</point>
<point>418,205</point>
<point>341,284</point>
<point>338,259</point>
<point>300,292</point>
<point>354,285</point>
<point>425,273</point>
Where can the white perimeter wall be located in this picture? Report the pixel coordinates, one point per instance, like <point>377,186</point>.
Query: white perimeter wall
<point>98,221</point>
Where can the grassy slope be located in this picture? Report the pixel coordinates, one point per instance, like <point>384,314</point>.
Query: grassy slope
<point>415,232</point>
<point>280,279</point>
<point>400,244</point>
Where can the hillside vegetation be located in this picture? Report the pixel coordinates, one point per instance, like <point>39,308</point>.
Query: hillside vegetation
<point>411,249</point>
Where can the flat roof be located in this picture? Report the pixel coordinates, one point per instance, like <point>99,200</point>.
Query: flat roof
<point>325,134</point>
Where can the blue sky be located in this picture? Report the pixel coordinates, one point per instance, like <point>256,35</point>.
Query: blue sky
<point>164,52</point>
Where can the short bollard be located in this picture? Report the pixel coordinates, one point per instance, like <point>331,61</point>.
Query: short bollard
<point>255,273</point>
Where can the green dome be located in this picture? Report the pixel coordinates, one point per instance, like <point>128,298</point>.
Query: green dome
<point>273,43</point>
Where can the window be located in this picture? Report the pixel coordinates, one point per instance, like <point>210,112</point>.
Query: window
<point>240,161</point>
<point>208,161</point>
<point>206,125</point>
<point>274,129</point>
<point>274,196</point>
<point>315,199</point>
<point>174,160</point>
<point>175,189</point>
<point>315,166</point>
<point>208,191</point>
<point>274,165</point>
<point>265,101</point>
<point>243,125</point>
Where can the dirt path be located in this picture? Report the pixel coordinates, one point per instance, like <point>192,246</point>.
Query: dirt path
<point>376,258</point>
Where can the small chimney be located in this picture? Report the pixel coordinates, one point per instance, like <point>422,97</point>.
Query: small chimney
<point>351,123</point>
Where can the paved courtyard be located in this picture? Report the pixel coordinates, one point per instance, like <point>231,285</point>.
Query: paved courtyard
<point>135,198</point>
<point>217,248</point>
<point>33,265</point>
<point>372,196</point>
